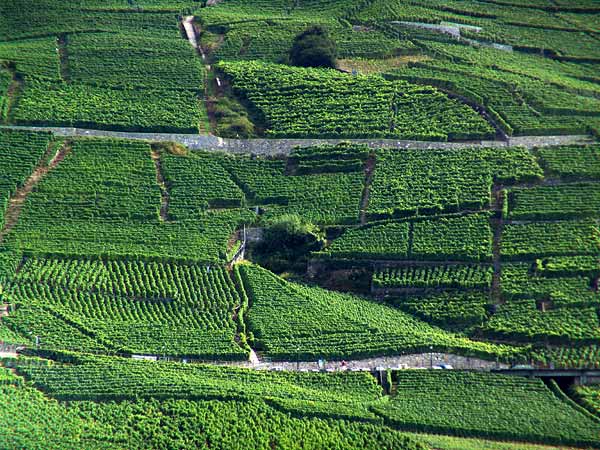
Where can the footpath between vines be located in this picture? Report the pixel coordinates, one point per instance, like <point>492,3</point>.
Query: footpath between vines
<point>17,200</point>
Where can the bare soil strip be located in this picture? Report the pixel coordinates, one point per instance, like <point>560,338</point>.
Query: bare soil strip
<point>497,225</point>
<point>369,172</point>
<point>16,202</point>
<point>63,57</point>
<point>160,180</point>
<point>12,94</point>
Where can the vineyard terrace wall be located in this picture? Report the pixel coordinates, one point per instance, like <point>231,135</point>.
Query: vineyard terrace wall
<point>271,147</point>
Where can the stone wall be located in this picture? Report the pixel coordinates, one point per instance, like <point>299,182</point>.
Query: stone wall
<point>274,147</point>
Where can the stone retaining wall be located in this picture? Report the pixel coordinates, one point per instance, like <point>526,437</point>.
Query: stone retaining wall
<point>273,147</point>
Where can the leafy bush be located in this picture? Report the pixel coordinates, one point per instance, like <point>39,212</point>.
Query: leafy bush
<point>313,48</point>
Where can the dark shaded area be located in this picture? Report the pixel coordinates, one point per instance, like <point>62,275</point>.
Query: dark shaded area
<point>287,244</point>
<point>314,48</point>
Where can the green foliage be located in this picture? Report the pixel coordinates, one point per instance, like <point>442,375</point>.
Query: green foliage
<point>134,307</point>
<point>521,320</point>
<point>588,396</point>
<point>6,81</point>
<point>571,356</point>
<point>232,119</point>
<point>424,277</point>
<point>89,378</point>
<point>51,17</point>
<point>479,404</point>
<point>137,423</point>
<point>313,48</point>
<point>33,421</point>
<point>410,182</point>
<point>106,190</point>
<point>290,230</point>
<point>323,198</point>
<point>127,69</point>
<point>562,289</point>
<point>524,94</point>
<point>49,104</point>
<point>389,241</point>
<point>572,161</point>
<point>20,152</point>
<point>465,238</point>
<point>134,61</point>
<point>462,238</point>
<point>270,40</point>
<point>307,102</point>
<point>543,306</point>
<point>342,158</point>
<point>45,65</point>
<point>569,265</point>
<point>290,320</point>
<point>448,308</point>
<point>538,239</point>
<point>555,202</point>
<point>197,182</point>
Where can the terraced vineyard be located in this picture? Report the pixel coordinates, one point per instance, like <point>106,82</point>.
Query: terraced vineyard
<point>326,103</point>
<point>182,205</point>
<point>152,308</point>
<point>464,390</point>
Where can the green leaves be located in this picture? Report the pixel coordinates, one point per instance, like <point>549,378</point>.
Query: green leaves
<point>480,404</point>
<point>138,307</point>
<point>302,103</point>
<point>289,319</point>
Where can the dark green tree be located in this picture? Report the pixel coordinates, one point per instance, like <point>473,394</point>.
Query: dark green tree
<point>313,48</point>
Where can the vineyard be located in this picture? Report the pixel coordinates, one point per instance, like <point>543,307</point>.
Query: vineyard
<point>107,190</point>
<point>507,408</point>
<point>507,277</point>
<point>126,69</point>
<point>347,409</point>
<point>466,277</point>
<point>245,224</point>
<point>19,154</point>
<point>411,182</point>
<point>140,421</point>
<point>465,238</point>
<point>288,319</point>
<point>302,103</point>
<point>127,307</point>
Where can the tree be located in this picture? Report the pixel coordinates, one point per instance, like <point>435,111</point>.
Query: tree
<point>287,243</point>
<point>290,233</point>
<point>313,48</point>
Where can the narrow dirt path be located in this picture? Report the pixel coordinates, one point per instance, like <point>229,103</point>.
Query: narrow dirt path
<point>63,57</point>
<point>369,172</point>
<point>497,226</point>
<point>12,94</point>
<point>241,326</point>
<point>16,202</point>
<point>160,180</point>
